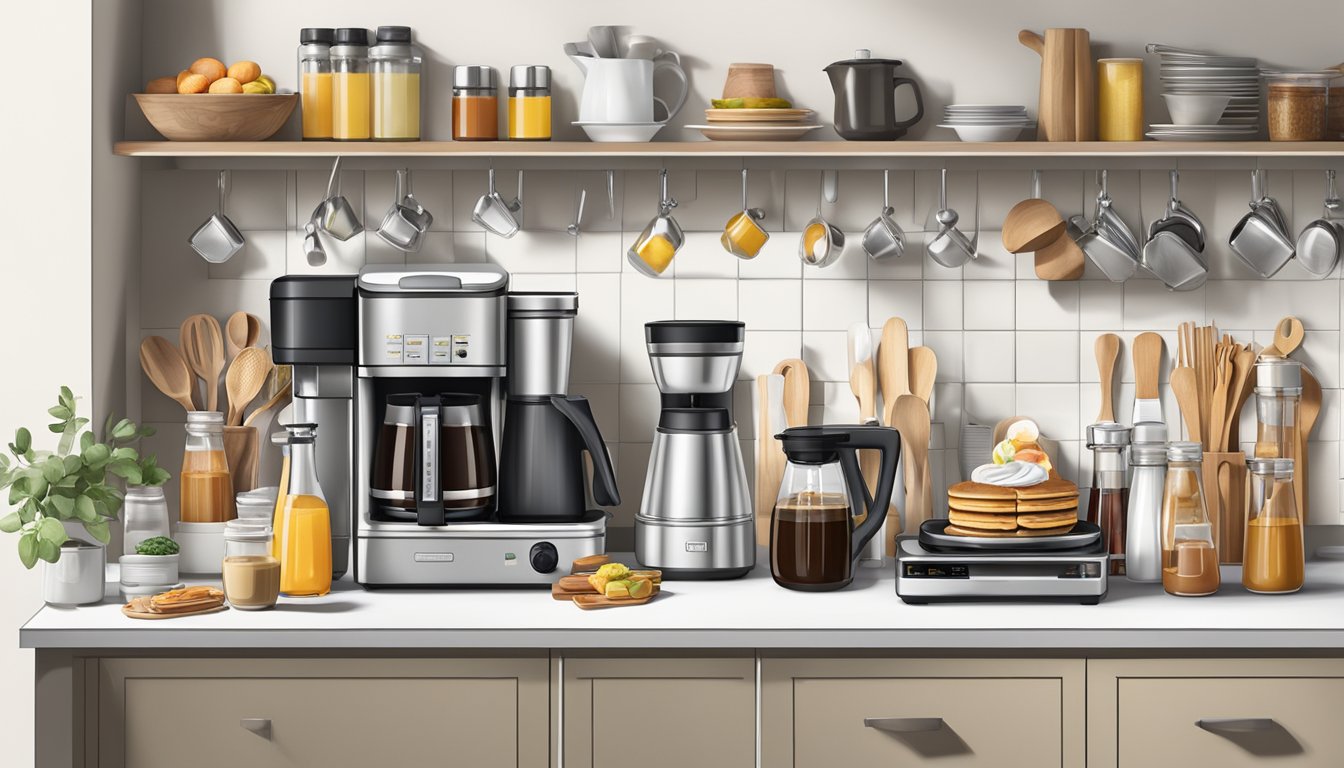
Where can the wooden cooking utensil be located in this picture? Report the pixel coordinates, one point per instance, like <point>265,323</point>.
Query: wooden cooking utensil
<point>203,347</point>
<point>246,376</point>
<point>893,364</point>
<point>1288,336</point>
<point>1186,389</point>
<point>770,459</point>
<point>1309,410</point>
<point>923,372</point>
<point>1218,409</point>
<point>1147,364</point>
<point>277,402</point>
<point>797,391</point>
<point>1067,110</point>
<point>1107,348</point>
<point>1243,382</point>
<point>240,332</point>
<point>242,450</point>
<point>1060,259</point>
<point>1031,225</point>
<point>910,417</point>
<point>168,371</point>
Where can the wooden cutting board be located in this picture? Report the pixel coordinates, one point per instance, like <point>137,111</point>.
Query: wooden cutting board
<point>592,602</point>
<point>134,610</point>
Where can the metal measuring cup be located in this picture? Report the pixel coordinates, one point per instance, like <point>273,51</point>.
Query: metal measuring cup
<point>1172,253</point>
<point>1318,245</point>
<point>406,221</point>
<point>1260,239</point>
<point>218,239</point>
<point>336,216</point>
<point>884,239</point>
<point>495,215</point>
<point>950,247</point>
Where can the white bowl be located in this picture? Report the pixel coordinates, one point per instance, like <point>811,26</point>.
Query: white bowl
<point>980,133</point>
<point>1192,109</point>
<point>202,548</point>
<point>621,132</point>
<point>149,570</point>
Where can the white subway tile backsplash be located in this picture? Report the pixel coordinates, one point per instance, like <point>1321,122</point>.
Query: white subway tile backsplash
<point>1053,406</point>
<point>1047,356</point>
<point>942,306</point>
<point>990,356</point>
<point>703,257</point>
<point>825,355</point>
<point>1149,305</point>
<point>994,262</point>
<point>1047,306</point>
<point>988,304</point>
<point>896,298</point>
<point>705,300</point>
<point>778,259</point>
<point>832,305</point>
<point>532,251</point>
<point>764,349</point>
<point>1101,305</point>
<point>600,251</point>
<point>262,257</point>
<point>770,305</point>
<point>597,330</point>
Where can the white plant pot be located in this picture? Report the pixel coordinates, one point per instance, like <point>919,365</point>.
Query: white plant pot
<point>149,570</point>
<point>77,578</point>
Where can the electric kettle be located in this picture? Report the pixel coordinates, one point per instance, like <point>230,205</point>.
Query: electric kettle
<point>813,540</point>
<point>865,98</point>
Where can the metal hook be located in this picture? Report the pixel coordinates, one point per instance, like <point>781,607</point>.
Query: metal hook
<point>223,189</point>
<point>886,189</point>
<point>830,186</point>
<point>611,194</point>
<point>744,189</point>
<point>573,229</point>
<point>666,202</point>
<point>334,183</point>
<point>1036,183</point>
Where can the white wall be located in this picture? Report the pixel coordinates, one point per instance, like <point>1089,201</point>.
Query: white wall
<point>44,287</point>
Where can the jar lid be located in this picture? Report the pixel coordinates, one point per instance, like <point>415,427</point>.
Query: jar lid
<point>317,36</point>
<point>1148,454</point>
<point>1107,434</point>
<point>352,36</point>
<point>530,76</point>
<point>1279,467</point>
<point>243,530</point>
<point>205,417</point>
<point>1149,432</point>
<point>1184,451</point>
<point>473,76</point>
<point>394,35</point>
<point>1277,373</point>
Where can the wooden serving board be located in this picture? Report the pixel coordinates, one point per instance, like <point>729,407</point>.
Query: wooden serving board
<point>592,602</point>
<point>133,613</point>
<point>562,591</point>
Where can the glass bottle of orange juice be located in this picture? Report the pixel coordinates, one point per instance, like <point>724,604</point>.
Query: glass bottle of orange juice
<point>302,540</point>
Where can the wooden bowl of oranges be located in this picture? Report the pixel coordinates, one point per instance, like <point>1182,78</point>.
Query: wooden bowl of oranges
<point>211,102</point>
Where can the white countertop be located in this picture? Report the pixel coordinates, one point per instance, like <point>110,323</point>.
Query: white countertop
<point>751,612</point>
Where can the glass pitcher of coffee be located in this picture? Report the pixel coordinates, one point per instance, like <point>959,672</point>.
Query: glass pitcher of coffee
<point>813,541</point>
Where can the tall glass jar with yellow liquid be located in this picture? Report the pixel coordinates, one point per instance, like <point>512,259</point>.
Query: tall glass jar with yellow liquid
<point>315,81</point>
<point>394,64</point>
<point>1120,99</point>
<point>351,88</point>
<point>302,540</point>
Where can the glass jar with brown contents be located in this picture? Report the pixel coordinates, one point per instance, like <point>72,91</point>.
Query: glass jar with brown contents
<point>1278,394</point>
<point>475,104</point>
<point>1297,106</point>
<point>207,486</point>
<point>1189,556</point>
<point>1274,559</point>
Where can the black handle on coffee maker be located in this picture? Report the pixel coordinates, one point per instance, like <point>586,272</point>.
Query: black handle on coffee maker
<point>888,442</point>
<point>428,493</point>
<point>580,414</point>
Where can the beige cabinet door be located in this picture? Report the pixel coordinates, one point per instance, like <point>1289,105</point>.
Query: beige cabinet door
<point>476,713</point>
<point>1230,713</point>
<point>910,712</point>
<point>659,713</point>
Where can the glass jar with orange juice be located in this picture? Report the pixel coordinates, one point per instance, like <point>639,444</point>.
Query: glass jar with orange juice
<point>302,540</point>
<point>207,486</point>
<point>315,81</point>
<point>351,86</point>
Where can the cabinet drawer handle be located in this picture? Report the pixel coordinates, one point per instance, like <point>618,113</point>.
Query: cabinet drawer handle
<point>258,725</point>
<point>904,724</point>
<point>1235,724</point>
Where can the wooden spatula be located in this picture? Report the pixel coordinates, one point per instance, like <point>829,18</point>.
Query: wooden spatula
<point>1309,411</point>
<point>797,391</point>
<point>770,459</point>
<point>910,417</point>
<point>1107,348</point>
<point>923,372</point>
<point>893,364</point>
<point>164,366</point>
<point>1147,365</point>
<point>1186,389</point>
<point>203,347</point>
<point>1288,336</point>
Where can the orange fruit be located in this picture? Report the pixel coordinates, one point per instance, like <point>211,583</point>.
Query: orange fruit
<point>245,71</point>
<point>193,84</point>
<point>212,69</point>
<point>162,85</point>
<point>183,75</point>
<point>226,85</point>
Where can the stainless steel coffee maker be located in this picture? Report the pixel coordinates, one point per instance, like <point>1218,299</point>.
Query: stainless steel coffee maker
<point>695,521</point>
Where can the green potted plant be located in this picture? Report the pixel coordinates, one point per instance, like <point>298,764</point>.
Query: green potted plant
<point>47,489</point>
<point>151,568</point>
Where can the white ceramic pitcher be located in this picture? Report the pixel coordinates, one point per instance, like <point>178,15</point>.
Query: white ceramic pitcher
<point>621,90</point>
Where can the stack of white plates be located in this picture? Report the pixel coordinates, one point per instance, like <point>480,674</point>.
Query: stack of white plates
<point>986,122</point>
<point>1195,73</point>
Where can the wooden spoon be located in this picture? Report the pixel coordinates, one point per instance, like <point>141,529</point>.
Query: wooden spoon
<point>1243,382</point>
<point>278,401</point>
<point>1309,410</point>
<point>1288,335</point>
<point>163,364</point>
<point>203,348</point>
<point>1108,352</point>
<point>910,417</point>
<point>923,372</point>
<point>247,375</point>
<point>893,364</point>
<point>797,391</point>
<point>240,332</point>
<point>1185,387</point>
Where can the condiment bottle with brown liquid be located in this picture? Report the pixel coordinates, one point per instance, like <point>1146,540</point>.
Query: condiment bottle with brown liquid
<point>1273,562</point>
<point>1189,557</point>
<point>475,104</point>
<point>1278,395</point>
<point>207,486</point>
<point>1109,498</point>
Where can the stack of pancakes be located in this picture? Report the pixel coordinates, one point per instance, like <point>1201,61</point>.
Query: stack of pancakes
<point>1045,509</point>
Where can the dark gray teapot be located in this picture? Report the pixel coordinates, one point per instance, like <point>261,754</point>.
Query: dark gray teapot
<point>865,98</point>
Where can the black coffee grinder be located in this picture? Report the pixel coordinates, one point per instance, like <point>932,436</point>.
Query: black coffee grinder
<point>546,430</point>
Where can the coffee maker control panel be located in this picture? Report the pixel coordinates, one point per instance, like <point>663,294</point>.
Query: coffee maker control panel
<point>423,349</point>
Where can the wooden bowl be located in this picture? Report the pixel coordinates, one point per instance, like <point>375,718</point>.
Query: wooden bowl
<point>217,116</point>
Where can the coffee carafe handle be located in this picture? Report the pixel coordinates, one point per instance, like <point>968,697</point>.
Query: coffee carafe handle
<point>887,442</point>
<point>580,414</point>
<point>896,83</point>
<point>428,488</point>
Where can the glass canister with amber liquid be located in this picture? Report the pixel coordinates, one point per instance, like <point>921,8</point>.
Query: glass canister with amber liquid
<point>1274,562</point>
<point>207,486</point>
<point>1278,395</point>
<point>1189,556</point>
<point>302,541</point>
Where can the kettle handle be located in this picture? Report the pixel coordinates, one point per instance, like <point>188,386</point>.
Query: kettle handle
<point>888,442</point>
<point>580,414</point>
<point>897,82</point>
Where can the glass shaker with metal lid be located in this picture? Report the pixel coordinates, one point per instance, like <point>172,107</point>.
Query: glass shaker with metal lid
<point>1148,461</point>
<point>395,65</point>
<point>1274,561</point>
<point>1278,394</point>
<point>350,89</point>
<point>315,81</point>
<point>530,103</point>
<point>475,104</point>
<point>1189,555</point>
<point>1109,497</point>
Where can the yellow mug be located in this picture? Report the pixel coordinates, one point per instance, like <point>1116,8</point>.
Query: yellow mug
<point>743,236</point>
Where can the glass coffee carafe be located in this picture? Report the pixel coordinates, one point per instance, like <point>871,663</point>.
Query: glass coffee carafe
<point>813,540</point>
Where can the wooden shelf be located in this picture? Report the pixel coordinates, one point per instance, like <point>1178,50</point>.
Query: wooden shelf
<point>691,149</point>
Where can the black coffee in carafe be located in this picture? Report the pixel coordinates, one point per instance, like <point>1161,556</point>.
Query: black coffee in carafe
<point>810,541</point>
<point>457,459</point>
